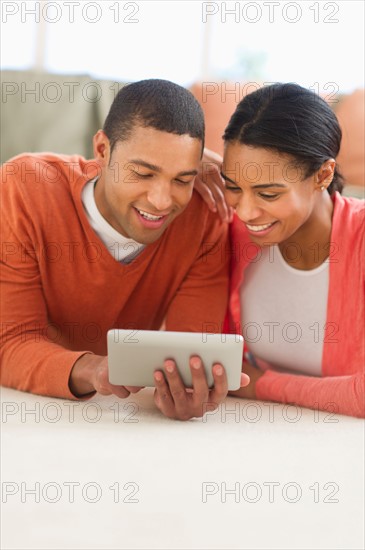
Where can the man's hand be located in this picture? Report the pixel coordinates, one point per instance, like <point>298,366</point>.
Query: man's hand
<point>210,185</point>
<point>176,401</point>
<point>249,391</point>
<point>90,374</point>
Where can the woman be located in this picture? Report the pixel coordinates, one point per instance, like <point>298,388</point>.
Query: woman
<point>297,286</point>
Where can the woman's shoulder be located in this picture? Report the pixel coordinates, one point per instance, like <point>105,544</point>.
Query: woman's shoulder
<point>348,232</point>
<point>349,211</point>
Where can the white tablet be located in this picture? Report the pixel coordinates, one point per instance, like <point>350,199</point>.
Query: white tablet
<point>134,355</point>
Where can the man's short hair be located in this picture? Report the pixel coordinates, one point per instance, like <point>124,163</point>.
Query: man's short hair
<point>154,103</point>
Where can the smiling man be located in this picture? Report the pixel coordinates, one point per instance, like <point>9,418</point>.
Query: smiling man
<point>121,241</point>
<point>157,170</point>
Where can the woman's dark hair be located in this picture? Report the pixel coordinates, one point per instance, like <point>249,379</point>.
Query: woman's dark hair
<point>289,119</point>
<point>154,103</point>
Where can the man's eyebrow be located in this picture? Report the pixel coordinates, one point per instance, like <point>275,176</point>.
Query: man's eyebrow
<point>156,168</point>
<point>260,186</point>
<point>141,162</point>
<point>188,173</point>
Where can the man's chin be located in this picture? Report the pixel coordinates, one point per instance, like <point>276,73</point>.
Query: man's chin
<point>149,237</point>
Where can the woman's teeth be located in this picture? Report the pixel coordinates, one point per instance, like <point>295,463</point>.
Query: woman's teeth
<point>148,216</point>
<point>259,227</point>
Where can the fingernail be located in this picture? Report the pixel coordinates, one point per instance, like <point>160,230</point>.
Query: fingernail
<point>158,376</point>
<point>219,371</point>
<point>195,364</point>
<point>169,367</point>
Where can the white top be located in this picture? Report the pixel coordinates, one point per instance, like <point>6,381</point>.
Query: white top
<point>121,248</point>
<point>284,312</point>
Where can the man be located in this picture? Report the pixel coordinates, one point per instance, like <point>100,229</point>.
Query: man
<point>118,242</point>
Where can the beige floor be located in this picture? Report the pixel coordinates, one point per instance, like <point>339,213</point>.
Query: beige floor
<point>251,475</point>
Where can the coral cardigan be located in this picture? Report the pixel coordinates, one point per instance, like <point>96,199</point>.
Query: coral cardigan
<point>341,387</point>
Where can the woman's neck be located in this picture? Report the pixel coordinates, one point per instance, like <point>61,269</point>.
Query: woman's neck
<point>312,238</point>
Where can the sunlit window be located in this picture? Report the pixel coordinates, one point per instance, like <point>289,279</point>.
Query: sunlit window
<point>314,43</point>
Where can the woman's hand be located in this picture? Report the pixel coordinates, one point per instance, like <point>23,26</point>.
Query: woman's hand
<point>249,391</point>
<point>210,185</point>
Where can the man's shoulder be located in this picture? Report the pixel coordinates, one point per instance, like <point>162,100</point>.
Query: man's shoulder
<point>31,178</point>
<point>39,186</point>
<point>42,167</point>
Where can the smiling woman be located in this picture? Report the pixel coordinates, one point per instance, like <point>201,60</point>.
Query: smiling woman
<point>299,299</point>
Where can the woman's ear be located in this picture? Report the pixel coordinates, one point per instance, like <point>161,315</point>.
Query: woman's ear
<point>324,175</point>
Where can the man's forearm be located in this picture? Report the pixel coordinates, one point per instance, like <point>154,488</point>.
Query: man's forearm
<point>83,374</point>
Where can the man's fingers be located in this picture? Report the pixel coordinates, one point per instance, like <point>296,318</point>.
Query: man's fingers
<point>177,389</point>
<point>220,390</point>
<point>120,391</point>
<point>245,380</point>
<point>134,389</point>
<point>163,396</point>
<point>200,385</point>
<point>104,387</point>
<point>109,389</point>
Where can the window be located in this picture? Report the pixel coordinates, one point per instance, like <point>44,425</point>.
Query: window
<point>312,43</point>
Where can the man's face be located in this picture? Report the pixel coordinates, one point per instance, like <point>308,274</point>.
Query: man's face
<point>146,182</point>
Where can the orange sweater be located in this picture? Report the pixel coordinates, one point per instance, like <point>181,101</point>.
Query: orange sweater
<point>62,290</point>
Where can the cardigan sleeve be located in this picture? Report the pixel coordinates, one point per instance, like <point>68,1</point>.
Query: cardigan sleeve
<point>336,394</point>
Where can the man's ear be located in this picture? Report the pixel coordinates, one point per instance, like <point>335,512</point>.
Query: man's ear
<point>324,175</point>
<point>101,146</point>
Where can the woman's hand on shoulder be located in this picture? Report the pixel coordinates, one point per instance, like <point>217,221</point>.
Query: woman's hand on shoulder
<point>210,185</point>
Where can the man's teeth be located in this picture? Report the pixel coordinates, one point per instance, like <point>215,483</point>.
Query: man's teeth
<point>259,227</point>
<point>149,216</point>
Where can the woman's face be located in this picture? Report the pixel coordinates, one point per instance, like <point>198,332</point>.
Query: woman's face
<point>269,193</point>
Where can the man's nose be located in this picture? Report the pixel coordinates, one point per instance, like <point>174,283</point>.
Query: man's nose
<point>159,196</point>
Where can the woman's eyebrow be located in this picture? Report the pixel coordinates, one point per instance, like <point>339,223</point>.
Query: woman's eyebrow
<point>259,186</point>
<point>267,185</point>
<point>227,178</point>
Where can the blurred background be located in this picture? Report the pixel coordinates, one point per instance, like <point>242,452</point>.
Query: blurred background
<point>63,62</point>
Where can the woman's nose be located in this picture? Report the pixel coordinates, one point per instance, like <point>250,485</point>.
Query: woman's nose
<point>247,209</point>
